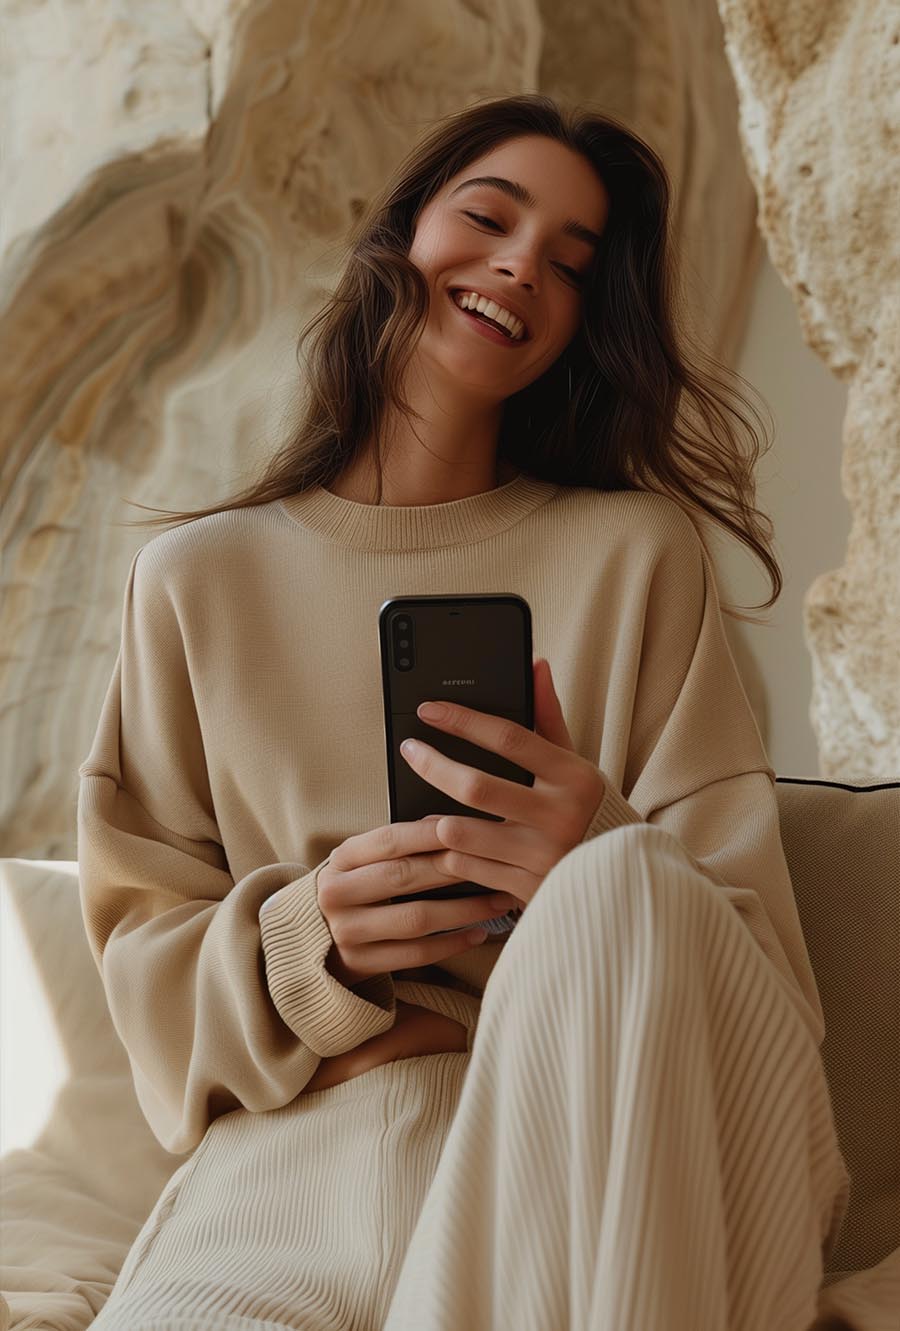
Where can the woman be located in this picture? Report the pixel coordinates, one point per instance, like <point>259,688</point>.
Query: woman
<point>615,1115</point>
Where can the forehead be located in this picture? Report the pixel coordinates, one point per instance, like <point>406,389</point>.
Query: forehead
<point>544,174</point>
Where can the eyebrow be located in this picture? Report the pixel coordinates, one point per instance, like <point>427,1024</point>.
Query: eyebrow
<point>525,196</point>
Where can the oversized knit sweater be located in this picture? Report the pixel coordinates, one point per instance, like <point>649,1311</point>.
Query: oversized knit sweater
<point>241,740</point>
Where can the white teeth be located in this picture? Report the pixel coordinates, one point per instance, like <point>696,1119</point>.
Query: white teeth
<point>468,300</point>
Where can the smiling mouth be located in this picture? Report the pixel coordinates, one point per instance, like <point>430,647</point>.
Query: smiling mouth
<point>453,292</point>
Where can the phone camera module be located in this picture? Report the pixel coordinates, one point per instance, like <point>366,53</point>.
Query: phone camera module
<point>402,641</point>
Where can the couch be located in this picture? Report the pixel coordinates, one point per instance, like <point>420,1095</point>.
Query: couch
<point>82,1170</point>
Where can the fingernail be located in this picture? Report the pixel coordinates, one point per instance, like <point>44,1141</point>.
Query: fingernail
<point>431,711</point>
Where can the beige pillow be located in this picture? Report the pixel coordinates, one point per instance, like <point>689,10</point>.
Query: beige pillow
<point>842,845</point>
<point>83,1170</point>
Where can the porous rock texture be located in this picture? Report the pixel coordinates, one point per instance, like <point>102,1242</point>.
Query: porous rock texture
<point>819,89</point>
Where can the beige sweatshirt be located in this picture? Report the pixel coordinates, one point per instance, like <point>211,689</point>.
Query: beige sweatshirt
<point>241,740</point>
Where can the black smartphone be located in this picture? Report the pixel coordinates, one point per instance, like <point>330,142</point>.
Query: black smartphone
<point>471,649</point>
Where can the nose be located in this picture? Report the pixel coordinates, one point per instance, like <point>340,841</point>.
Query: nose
<point>522,273</point>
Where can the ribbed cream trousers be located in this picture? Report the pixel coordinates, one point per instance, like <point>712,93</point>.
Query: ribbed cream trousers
<point>641,1139</point>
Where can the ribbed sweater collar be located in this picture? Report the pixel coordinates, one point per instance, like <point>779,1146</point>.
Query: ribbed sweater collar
<point>417,526</point>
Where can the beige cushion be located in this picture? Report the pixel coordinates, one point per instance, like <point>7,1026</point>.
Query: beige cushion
<point>842,845</point>
<point>76,1190</point>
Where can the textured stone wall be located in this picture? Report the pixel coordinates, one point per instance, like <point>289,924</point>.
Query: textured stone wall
<point>818,85</point>
<point>175,193</point>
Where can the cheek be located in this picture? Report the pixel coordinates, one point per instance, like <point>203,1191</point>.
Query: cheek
<point>572,317</point>
<point>436,249</point>
<point>563,320</point>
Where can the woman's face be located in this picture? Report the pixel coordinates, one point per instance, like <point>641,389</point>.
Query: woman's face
<point>512,248</point>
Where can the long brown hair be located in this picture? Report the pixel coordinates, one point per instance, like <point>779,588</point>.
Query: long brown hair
<point>640,415</point>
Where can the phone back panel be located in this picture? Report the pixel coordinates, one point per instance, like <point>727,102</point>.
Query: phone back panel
<point>472,649</point>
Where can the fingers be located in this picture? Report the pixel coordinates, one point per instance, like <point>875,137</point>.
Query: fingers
<point>387,842</point>
<point>473,787</point>
<point>501,735</point>
<point>497,875</point>
<point>388,861</point>
<point>509,843</point>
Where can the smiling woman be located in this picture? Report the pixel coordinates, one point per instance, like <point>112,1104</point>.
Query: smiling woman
<point>562,217</point>
<point>402,1129</point>
<point>510,283</point>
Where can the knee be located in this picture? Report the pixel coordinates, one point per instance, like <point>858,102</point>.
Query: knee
<point>612,859</point>
<point>637,873</point>
<point>629,903</point>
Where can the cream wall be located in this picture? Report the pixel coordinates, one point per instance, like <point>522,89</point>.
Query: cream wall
<point>800,489</point>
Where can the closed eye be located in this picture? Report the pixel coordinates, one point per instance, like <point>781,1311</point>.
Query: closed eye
<point>488,221</point>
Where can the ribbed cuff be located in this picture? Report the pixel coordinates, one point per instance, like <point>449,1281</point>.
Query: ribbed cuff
<point>328,1017</point>
<point>612,811</point>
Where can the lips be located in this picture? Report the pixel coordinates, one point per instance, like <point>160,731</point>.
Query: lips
<point>526,336</point>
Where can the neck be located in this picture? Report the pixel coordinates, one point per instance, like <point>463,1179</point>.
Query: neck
<point>445,449</point>
<point>431,482</point>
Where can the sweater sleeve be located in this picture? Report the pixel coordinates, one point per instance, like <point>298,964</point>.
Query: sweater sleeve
<point>211,1021</point>
<point>697,766</point>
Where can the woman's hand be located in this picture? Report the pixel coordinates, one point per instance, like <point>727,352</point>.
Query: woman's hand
<point>416,1030</point>
<point>543,822</point>
<point>362,893</point>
